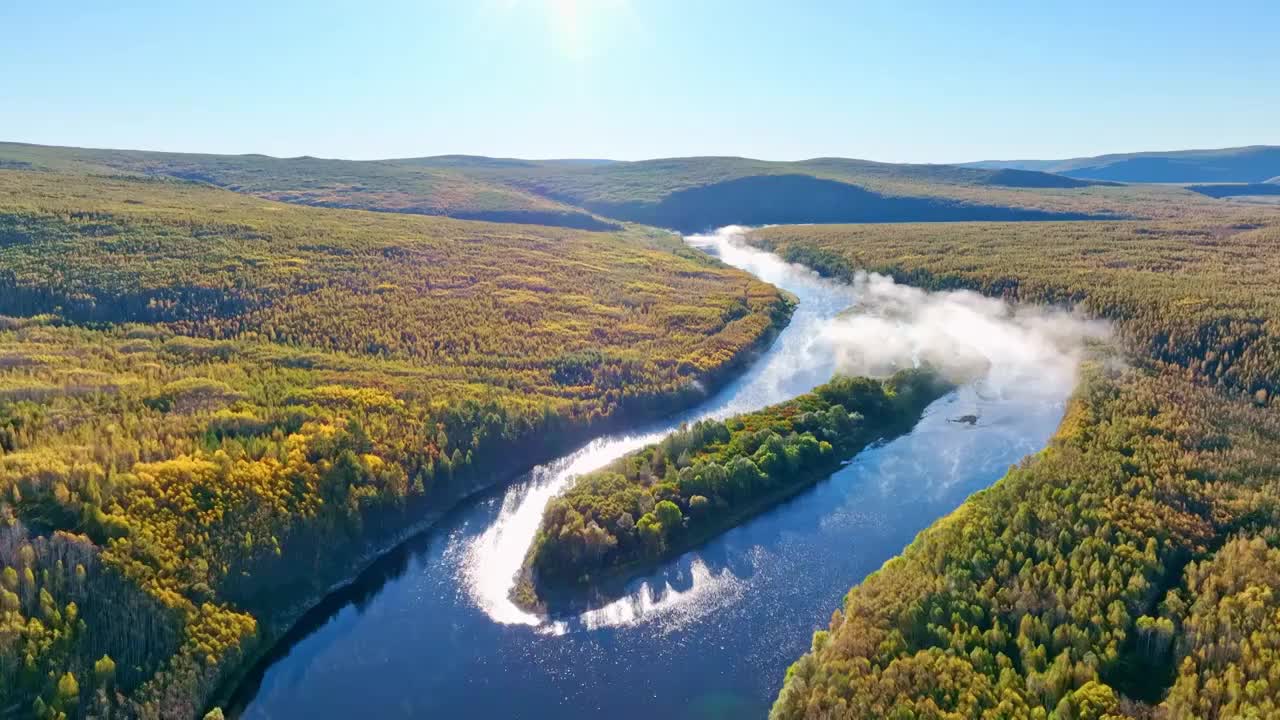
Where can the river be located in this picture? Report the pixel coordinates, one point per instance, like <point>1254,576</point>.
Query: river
<point>429,632</point>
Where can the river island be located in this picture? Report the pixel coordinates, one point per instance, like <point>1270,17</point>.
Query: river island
<point>708,477</point>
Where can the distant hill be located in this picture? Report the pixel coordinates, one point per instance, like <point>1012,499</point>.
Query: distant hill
<point>1253,164</point>
<point>697,193</point>
<point>1237,189</point>
<point>687,194</point>
<point>442,186</point>
<point>1011,177</point>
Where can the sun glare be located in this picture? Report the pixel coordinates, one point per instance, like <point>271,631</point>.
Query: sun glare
<point>575,26</point>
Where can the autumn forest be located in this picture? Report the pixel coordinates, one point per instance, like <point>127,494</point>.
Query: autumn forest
<point>229,383</point>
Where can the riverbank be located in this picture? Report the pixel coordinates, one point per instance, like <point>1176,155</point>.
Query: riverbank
<point>430,631</point>
<point>590,544</point>
<point>428,511</point>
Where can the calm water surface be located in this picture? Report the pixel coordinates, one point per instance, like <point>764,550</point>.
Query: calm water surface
<point>429,632</point>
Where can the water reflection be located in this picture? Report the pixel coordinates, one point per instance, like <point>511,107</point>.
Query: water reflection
<point>800,359</point>
<point>429,632</point>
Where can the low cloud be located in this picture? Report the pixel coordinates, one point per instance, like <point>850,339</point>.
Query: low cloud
<point>963,334</point>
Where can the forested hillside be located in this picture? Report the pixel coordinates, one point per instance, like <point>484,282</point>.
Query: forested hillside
<point>1125,571</point>
<point>214,407</point>
<point>706,192</point>
<point>688,194</point>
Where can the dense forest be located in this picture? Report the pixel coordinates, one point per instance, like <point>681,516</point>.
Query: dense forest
<point>1128,570</point>
<point>712,475</point>
<point>213,407</point>
<point>1134,557</point>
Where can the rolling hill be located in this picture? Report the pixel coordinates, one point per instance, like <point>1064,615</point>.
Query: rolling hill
<point>439,189</point>
<point>1252,164</point>
<point>687,194</point>
<point>698,193</point>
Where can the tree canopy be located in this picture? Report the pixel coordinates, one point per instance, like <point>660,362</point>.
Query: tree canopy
<point>1128,570</point>
<point>712,475</point>
<point>212,406</point>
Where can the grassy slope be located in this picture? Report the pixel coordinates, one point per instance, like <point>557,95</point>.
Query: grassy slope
<point>213,406</point>
<point>1111,572</point>
<point>653,180</point>
<point>642,191</point>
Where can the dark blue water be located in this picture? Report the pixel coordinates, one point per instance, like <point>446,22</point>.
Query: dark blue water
<point>429,633</point>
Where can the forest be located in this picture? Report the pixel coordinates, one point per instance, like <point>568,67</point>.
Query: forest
<point>214,407</point>
<point>712,475</point>
<point>639,360</point>
<point>1127,570</point>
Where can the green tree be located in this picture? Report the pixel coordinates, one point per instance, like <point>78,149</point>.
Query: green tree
<point>698,505</point>
<point>669,516</point>
<point>650,531</point>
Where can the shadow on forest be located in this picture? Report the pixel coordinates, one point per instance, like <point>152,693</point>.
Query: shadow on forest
<point>790,199</point>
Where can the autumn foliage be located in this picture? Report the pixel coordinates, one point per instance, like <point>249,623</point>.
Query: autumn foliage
<point>213,407</point>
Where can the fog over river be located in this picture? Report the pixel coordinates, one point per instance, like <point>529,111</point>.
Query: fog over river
<point>429,631</point>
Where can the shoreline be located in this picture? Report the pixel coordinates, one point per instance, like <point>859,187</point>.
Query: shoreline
<point>272,632</point>
<point>605,586</point>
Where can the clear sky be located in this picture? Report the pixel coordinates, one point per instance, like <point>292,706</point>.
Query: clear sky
<point>628,79</point>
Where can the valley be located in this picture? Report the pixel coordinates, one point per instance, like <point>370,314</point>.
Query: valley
<point>631,359</point>
<point>687,613</point>
<point>217,407</point>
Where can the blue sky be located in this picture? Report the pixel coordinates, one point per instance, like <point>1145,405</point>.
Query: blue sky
<point>631,79</point>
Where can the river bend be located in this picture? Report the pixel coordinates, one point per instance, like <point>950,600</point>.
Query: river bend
<point>429,631</point>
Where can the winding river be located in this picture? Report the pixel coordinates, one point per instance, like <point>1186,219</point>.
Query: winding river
<point>428,631</point>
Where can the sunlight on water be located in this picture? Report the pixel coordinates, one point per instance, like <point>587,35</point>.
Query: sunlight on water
<point>1027,354</point>
<point>433,634</point>
<point>793,366</point>
<point>494,557</point>
<point>676,607</point>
